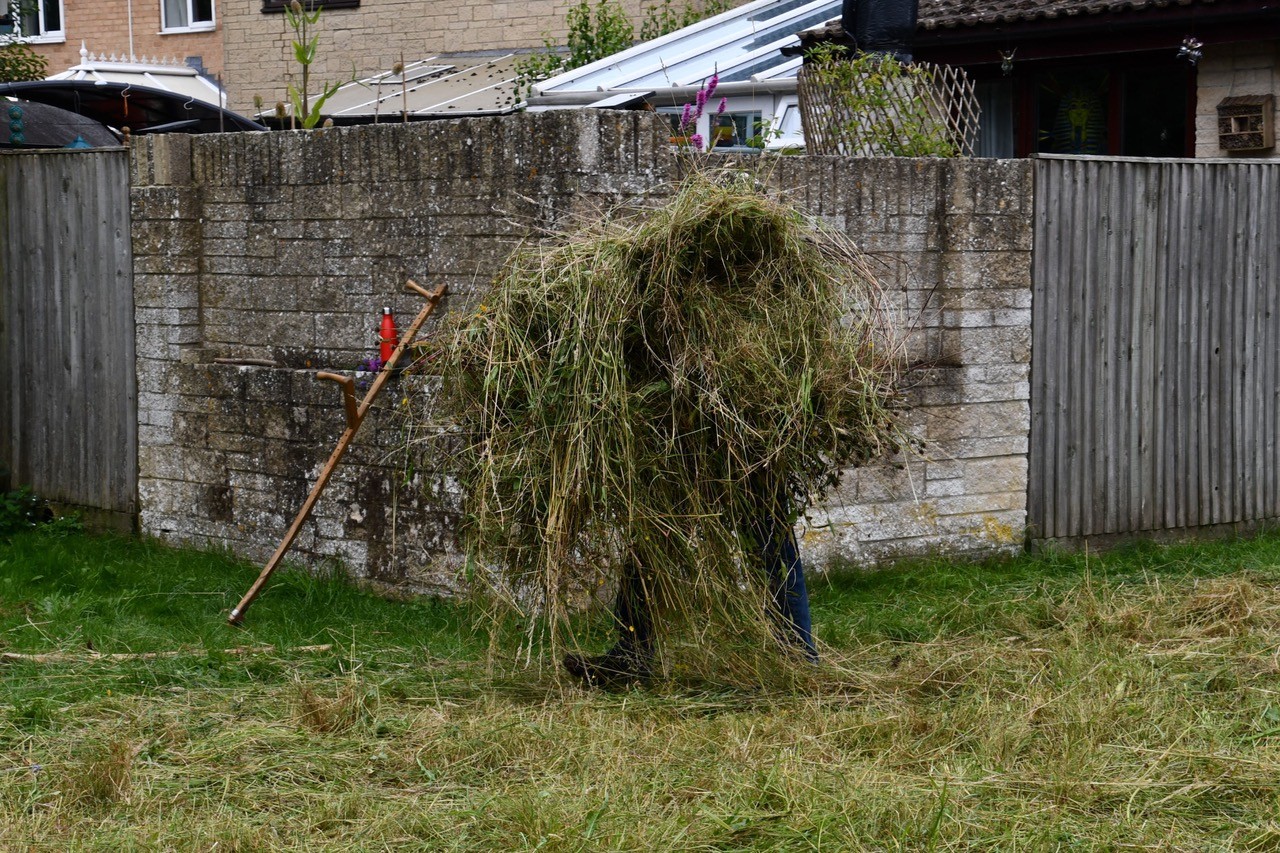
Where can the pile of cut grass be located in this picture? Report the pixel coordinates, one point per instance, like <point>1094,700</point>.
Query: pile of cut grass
<point>652,388</point>
<point>1124,702</point>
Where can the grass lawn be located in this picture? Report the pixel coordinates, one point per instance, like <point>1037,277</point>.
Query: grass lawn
<point>1124,702</point>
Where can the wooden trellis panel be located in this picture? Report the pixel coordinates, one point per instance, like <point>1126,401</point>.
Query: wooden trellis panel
<point>862,116</point>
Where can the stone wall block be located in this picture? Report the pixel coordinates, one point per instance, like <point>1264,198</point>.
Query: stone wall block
<point>301,258</point>
<point>160,160</point>
<point>986,344</point>
<point>345,331</point>
<point>166,291</point>
<point>322,154</point>
<point>946,423</point>
<point>982,232</point>
<point>164,342</point>
<point>260,328</point>
<point>191,466</point>
<point>1001,474</point>
<point>976,272</point>
<point>163,204</point>
<point>269,386</point>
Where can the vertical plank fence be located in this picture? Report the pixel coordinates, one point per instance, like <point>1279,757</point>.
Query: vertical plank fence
<point>68,397</point>
<point>1156,346</point>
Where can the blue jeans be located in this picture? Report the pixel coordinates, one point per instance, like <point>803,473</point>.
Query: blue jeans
<point>780,556</point>
<point>786,582</point>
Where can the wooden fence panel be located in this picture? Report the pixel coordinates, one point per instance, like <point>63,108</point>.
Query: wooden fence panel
<point>68,397</point>
<point>1156,346</point>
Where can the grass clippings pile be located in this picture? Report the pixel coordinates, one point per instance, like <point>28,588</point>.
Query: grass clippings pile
<point>636,389</point>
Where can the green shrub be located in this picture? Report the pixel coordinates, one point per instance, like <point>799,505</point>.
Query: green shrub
<point>22,509</point>
<point>19,62</point>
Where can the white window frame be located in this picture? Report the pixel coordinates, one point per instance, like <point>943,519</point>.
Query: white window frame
<point>51,37</point>
<point>198,27</point>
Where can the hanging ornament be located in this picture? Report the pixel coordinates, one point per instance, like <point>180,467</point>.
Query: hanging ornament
<point>1190,50</point>
<point>17,130</point>
<point>1006,61</point>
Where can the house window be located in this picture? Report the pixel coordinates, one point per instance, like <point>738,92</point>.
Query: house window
<point>34,20</point>
<point>1141,108</point>
<point>1154,113</point>
<point>736,129</point>
<point>996,125</point>
<point>186,15</point>
<point>1072,109</point>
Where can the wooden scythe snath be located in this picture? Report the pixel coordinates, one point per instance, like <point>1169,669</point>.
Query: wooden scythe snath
<point>355,416</point>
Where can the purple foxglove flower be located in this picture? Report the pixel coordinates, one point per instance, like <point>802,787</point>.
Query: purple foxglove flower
<point>712,83</point>
<point>724,102</point>
<point>696,141</point>
<point>703,94</point>
<point>686,117</point>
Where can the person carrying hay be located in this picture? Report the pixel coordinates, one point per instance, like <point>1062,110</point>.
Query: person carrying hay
<point>647,402</point>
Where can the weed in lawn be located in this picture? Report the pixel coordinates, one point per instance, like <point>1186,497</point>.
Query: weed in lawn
<point>102,777</point>
<point>21,509</point>
<point>31,713</point>
<point>353,704</point>
<point>1223,607</point>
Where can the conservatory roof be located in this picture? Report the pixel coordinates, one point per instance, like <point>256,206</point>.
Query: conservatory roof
<point>154,74</point>
<point>447,84</point>
<point>742,45</point>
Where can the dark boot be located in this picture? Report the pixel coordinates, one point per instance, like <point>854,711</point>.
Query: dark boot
<point>631,658</point>
<point>614,670</point>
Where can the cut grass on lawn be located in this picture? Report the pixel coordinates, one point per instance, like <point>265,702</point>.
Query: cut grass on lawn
<point>1123,702</point>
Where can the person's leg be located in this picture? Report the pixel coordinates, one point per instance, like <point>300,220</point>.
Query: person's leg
<point>633,615</point>
<point>790,596</point>
<point>780,556</point>
<point>631,656</point>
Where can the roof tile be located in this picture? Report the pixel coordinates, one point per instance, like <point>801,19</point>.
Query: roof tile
<point>944,14</point>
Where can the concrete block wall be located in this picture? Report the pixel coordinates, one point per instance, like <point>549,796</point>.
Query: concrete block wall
<point>284,247</point>
<point>1247,68</point>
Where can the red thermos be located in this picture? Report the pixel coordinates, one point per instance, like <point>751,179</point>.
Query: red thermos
<point>387,336</point>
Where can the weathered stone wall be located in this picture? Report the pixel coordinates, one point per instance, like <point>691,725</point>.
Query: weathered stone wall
<point>285,246</point>
<point>1248,68</point>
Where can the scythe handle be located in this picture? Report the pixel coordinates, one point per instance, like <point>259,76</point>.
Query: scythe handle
<point>433,297</point>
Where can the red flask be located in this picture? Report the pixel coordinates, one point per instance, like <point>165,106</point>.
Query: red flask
<point>387,336</point>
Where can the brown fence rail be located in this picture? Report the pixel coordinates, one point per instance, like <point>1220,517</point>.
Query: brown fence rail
<point>68,397</point>
<point>1156,351</point>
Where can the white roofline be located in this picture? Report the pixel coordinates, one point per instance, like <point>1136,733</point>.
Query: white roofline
<point>132,67</point>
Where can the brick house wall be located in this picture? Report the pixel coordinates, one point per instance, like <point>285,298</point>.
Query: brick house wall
<point>103,27</point>
<point>1248,68</point>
